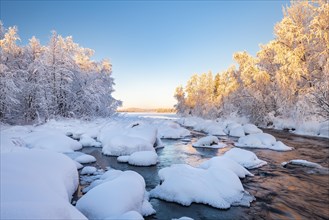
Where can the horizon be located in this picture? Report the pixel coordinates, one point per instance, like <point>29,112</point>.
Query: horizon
<point>153,46</point>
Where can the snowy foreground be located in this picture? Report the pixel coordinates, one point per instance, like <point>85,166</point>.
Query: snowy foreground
<point>39,167</point>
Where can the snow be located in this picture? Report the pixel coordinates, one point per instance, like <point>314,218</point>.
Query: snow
<point>313,127</point>
<point>303,163</point>
<point>88,141</point>
<point>126,140</point>
<point>262,140</point>
<point>88,170</point>
<point>141,158</point>
<point>11,138</point>
<point>131,215</point>
<point>78,165</point>
<point>185,184</point>
<point>172,130</point>
<point>206,141</point>
<point>221,162</point>
<point>37,184</point>
<point>237,132</point>
<point>251,129</point>
<point>85,159</point>
<point>115,197</point>
<point>183,218</point>
<point>245,158</point>
<point>51,140</point>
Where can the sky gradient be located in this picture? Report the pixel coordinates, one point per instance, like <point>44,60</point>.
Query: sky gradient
<point>154,46</point>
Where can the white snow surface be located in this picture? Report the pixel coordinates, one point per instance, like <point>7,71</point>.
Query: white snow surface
<point>221,162</point>
<point>206,141</point>
<point>37,184</point>
<point>88,141</point>
<point>245,158</point>
<point>88,170</point>
<point>121,139</point>
<point>85,159</point>
<point>185,184</point>
<point>251,129</point>
<point>170,129</point>
<point>183,218</point>
<point>304,163</point>
<point>119,194</point>
<point>51,140</point>
<point>262,140</point>
<point>140,158</point>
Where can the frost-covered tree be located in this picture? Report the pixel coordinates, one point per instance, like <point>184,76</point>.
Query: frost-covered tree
<point>289,77</point>
<point>60,79</point>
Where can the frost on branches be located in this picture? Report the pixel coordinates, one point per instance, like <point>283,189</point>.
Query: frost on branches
<point>40,82</point>
<point>288,78</point>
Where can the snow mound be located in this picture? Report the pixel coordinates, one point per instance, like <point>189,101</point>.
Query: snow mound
<point>140,158</point>
<point>251,129</point>
<point>262,140</point>
<point>37,184</point>
<point>85,159</point>
<point>237,131</point>
<point>51,140</point>
<point>245,158</point>
<point>221,162</point>
<point>87,141</point>
<point>126,140</point>
<point>116,196</point>
<point>207,141</point>
<point>88,170</point>
<point>303,163</point>
<point>171,130</point>
<point>183,218</point>
<point>184,184</point>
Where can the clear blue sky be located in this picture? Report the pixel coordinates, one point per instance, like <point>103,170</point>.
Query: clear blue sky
<point>154,46</point>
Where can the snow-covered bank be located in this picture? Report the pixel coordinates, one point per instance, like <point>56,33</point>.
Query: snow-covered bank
<point>116,196</point>
<point>311,128</point>
<point>38,184</point>
<point>240,126</point>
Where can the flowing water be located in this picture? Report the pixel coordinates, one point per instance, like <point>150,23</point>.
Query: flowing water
<point>291,192</point>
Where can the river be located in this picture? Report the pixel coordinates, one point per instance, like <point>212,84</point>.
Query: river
<point>291,192</point>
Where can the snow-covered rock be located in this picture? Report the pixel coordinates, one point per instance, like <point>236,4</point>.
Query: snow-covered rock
<point>251,129</point>
<point>237,131</point>
<point>183,218</point>
<point>38,184</point>
<point>221,162</point>
<point>115,197</point>
<point>51,140</point>
<point>125,145</point>
<point>126,140</point>
<point>85,159</point>
<point>216,187</point>
<point>303,163</point>
<point>245,158</point>
<point>88,170</point>
<point>172,130</point>
<point>206,141</point>
<point>262,140</point>
<point>88,141</point>
<point>140,158</point>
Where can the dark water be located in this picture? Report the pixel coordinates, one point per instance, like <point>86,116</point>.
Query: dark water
<point>291,192</point>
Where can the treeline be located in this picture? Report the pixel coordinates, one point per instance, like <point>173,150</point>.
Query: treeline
<point>41,82</point>
<point>289,77</point>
